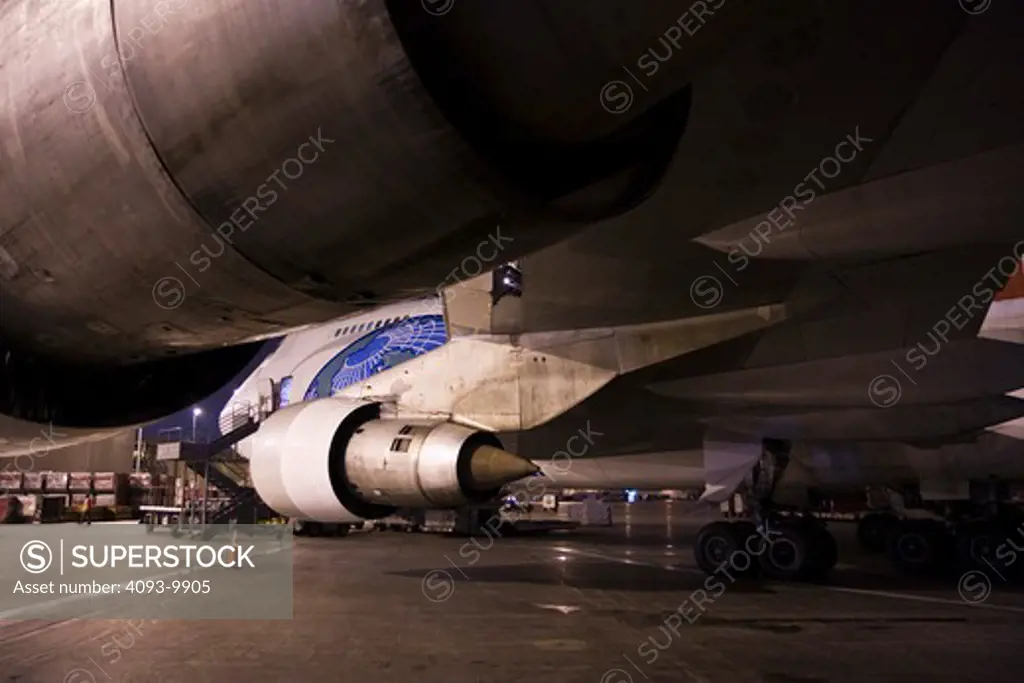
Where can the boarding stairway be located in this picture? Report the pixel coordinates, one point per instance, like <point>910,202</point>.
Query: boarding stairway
<point>222,468</point>
<point>236,499</point>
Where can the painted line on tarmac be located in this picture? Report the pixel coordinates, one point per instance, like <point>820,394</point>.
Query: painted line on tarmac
<point>837,589</point>
<point>626,560</point>
<point>925,598</point>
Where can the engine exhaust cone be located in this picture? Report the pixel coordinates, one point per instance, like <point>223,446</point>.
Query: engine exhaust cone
<point>491,468</point>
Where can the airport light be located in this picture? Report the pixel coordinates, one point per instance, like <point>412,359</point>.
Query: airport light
<point>196,412</point>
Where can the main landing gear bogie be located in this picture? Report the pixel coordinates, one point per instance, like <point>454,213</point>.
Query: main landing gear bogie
<point>800,550</point>
<point>930,546</point>
<point>914,546</point>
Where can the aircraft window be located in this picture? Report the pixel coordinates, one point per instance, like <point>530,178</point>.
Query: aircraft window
<point>285,391</point>
<point>400,445</point>
<point>337,332</point>
<point>379,323</point>
<point>407,429</point>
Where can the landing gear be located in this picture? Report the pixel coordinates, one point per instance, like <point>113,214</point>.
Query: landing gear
<point>992,547</point>
<point>718,542</point>
<point>976,543</point>
<point>916,546</point>
<point>799,551</point>
<point>783,549</point>
<point>787,556</point>
<point>873,531</point>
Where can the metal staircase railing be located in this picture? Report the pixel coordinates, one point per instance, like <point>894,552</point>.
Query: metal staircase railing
<point>225,442</point>
<point>241,507</point>
<point>237,498</point>
<point>219,464</point>
<point>237,415</point>
<point>237,472</point>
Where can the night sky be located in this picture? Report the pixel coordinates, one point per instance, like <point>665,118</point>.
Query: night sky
<point>206,425</point>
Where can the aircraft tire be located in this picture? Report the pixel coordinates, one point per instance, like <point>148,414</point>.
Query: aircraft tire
<point>789,556</point>
<point>873,531</point>
<point>716,542</point>
<point>916,546</point>
<point>983,545</point>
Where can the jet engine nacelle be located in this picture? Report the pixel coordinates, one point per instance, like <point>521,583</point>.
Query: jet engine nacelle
<point>336,460</point>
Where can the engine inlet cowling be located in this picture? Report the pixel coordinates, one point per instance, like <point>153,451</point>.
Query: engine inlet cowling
<point>298,461</point>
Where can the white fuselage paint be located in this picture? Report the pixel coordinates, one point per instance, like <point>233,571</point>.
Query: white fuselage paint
<point>303,354</point>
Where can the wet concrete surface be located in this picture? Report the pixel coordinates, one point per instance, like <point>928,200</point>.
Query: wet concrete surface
<point>618,605</point>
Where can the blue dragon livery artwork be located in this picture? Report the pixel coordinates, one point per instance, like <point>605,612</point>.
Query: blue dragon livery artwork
<point>376,351</point>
